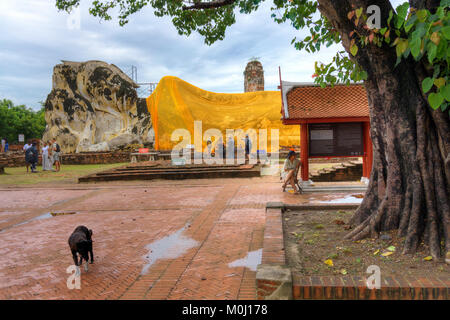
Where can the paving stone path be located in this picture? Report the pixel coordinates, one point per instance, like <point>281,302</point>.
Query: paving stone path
<point>187,239</point>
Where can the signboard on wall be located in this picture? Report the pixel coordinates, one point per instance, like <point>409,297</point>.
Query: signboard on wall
<point>318,134</point>
<point>21,138</point>
<point>336,139</point>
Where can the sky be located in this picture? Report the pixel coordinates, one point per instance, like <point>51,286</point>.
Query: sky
<point>35,37</point>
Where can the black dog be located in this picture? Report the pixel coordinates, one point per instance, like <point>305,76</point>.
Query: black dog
<point>81,241</point>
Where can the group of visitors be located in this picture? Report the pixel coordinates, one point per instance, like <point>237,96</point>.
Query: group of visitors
<point>228,151</point>
<point>51,152</point>
<point>5,145</point>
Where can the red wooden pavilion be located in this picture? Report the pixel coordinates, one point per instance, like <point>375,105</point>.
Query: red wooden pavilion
<point>334,121</point>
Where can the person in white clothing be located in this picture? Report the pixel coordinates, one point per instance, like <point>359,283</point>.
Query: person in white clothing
<point>26,146</point>
<point>46,162</point>
<point>208,150</point>
<point>44,157</point>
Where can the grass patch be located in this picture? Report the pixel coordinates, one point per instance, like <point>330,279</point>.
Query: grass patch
<point>68,174</point>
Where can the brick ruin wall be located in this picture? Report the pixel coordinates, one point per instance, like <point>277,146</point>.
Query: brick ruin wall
<point>17,159</point>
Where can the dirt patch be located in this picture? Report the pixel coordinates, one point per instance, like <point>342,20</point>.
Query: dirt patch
<point>315,246</point>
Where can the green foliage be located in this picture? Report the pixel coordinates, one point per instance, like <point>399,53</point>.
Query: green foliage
<point>422,36</point>
<point>302,14</point>
<point>15,120</point>
<point>210,23</point>
<point>415,34</point>
<point>426,37</point>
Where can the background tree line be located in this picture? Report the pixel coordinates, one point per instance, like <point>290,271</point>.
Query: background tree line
<point>15,120</point>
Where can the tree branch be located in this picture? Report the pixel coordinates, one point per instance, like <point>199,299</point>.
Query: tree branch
<point>425,4</point>
<point>209,5</point>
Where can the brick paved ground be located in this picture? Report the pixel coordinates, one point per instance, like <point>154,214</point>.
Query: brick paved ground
<point>223,221</point>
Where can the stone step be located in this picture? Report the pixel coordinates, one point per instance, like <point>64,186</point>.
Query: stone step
<point>173,168</point>
<point>349,165</point>
<point>182,173</point>
<point>162,170</point>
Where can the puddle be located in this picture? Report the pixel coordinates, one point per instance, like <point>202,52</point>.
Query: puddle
<point>169,247</point>
<point>41,217</point>
<point>347,199</point>
<point>251,261</point>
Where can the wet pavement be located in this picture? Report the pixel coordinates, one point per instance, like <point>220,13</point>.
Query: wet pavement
<point>189,239</point>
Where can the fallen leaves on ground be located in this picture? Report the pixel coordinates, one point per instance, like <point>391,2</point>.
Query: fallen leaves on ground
<point>329,262</point>
<point>428,258</point>
<point>339,222</point>
<point>385,254</point>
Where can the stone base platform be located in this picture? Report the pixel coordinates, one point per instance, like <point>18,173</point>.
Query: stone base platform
<point>150,171</point>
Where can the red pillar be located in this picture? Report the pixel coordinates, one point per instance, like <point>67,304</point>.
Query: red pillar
<point>368,151</point>
<point>304,151</point>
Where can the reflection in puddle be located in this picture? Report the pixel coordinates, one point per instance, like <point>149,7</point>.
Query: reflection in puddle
<point>347,199</point>
<point>251,261</point>
<point>169,247</point>
<point>41,217</point>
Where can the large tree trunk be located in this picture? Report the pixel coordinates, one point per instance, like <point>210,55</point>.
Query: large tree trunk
<point>409,188</point>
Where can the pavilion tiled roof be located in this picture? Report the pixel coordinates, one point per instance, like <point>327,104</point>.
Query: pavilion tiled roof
<point>312,102</point>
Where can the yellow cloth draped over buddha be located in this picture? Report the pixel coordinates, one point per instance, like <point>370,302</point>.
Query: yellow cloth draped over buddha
<point>176,104</point>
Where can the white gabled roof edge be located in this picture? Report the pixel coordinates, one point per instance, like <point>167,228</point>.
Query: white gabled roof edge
<point>287,86</point>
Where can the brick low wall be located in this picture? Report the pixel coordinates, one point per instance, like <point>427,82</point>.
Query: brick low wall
<point>96,158</point>
<point>17,159</point>
<point>354,288</point>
